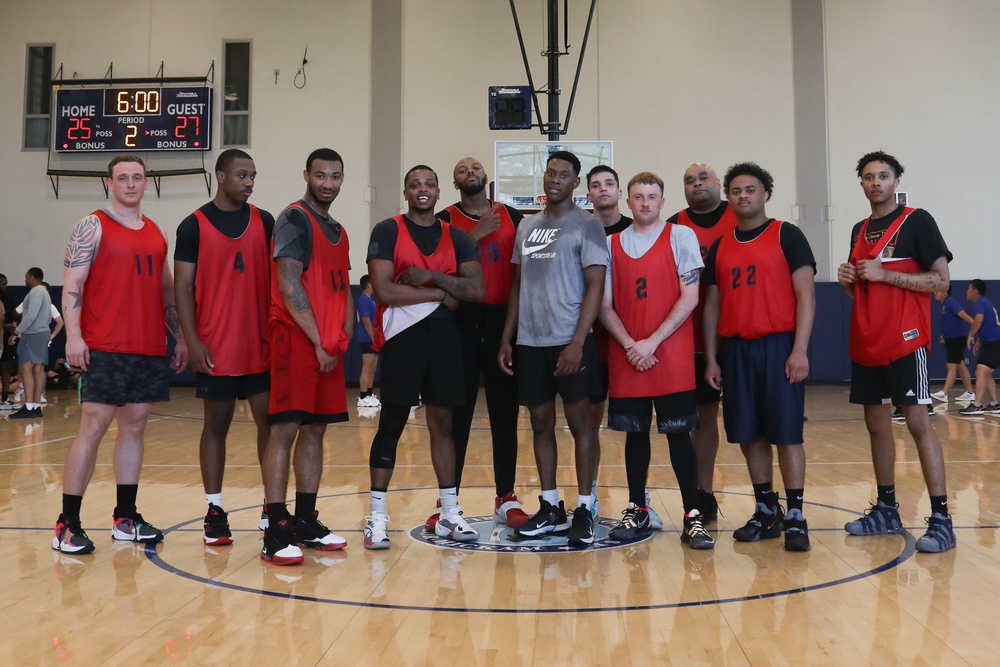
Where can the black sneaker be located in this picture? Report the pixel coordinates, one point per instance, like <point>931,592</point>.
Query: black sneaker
<point>217,531</point>
<point>279,544</point>
<point>766,523</point>
<point>581,533</point>
<point>25,413</point>
<point>695,533</point>
<point>549,520</point>
<point>796,532</point>
<point>897,415</point>
<point>133,528</point>
<point>310,532</point>
<point>70,537</point>
<point>635,522</point>
<point>709,507</point>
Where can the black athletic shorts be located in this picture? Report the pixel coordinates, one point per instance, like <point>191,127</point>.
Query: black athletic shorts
<point>602,367</point>
<point>675,413</point>
<point>900,382</point>
<point>955,349</point>
<point>704,392</point>
<point>232,387</point>
<point>536,380</point>
<point>119,379</point>
<point>366,348</point>
<point>424,362</point>
<point>989,354</point>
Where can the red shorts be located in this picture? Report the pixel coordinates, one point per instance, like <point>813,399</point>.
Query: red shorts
<point>299,392</point>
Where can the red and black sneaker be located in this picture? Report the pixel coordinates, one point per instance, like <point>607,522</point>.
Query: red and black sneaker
<point>217,532</point>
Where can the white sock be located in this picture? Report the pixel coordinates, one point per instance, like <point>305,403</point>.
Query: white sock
<point>551,496</point>
<point>449,497</point>
<point>214,499</point>
<point>33,406</point>
<point>377,501</point>
<point>585,501</point>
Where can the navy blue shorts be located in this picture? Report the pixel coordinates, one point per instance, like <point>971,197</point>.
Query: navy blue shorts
<point>757,400</point>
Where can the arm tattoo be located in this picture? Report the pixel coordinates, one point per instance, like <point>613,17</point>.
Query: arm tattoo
<point>298,298</point>
<point>691,277</point>
<point>82,243</point>
<point>291,270</point>
<point>77,300</point>
<point>173,323</point>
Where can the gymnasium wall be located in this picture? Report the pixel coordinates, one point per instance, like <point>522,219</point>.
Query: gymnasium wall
<point>670,82</point>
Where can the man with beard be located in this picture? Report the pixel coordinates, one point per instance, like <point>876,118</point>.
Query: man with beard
<point>491,226</point>
<point>711,218</point>
<point>309,326</point>
<point>222,281</point>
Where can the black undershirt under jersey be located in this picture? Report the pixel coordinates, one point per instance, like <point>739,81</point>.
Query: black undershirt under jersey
<point>793,244</point>
<point>229,223</point>
<point>919,238</point>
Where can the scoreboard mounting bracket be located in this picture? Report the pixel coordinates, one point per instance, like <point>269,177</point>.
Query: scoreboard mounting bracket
<point>167,121</point>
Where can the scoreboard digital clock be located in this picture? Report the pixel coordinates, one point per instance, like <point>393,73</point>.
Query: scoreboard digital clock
<point>151,118</point>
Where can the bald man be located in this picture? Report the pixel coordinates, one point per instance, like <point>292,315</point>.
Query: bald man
<point>711,218</point>
<point>492,227</point>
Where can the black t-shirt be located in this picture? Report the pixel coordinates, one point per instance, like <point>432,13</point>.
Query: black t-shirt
<point>293,233</point>
<point>793,244</point>
<point>703,220</point>
<point>919,238</point>
<point>515,216</point>
<point>620,226</point>
<point>229,223</point>
<point>383,240</point>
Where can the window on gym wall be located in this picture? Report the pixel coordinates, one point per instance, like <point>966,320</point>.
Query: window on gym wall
<point>236,97</point>
<point>37,96</point>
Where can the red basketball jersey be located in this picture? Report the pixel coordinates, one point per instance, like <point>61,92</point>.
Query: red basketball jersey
<point>326,283</point>
<point>493,251</point>
<point>644,292</point>
<point>123,295</point>
<point>231,294</point>
<point>706,237</point>
<point>887,322</point>
<point>406,254</point>
<point>755,285</point>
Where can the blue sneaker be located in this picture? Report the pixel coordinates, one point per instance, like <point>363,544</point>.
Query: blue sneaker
<point>940,535</point>
<point>879,519</point>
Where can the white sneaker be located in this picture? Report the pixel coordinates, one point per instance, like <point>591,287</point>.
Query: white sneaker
<point>372,401</point>
<point>19,395</point>
<point>451,525</point>
<point>8,405</point>
<point>940,396</point>
<point>966,396</point>
<point>376,531</point>
<point>43,400</point>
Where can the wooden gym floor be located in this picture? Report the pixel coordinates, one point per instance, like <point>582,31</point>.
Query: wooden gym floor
<point>850,601</point>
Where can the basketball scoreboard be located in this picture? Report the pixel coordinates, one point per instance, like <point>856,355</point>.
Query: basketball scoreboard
<point>151,118</point>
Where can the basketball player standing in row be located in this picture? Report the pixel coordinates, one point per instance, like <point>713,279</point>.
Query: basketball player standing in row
<point>649,293</point>
<point>761,303</point>
<point>222,282</point>
<point>420,268</point>
<point>118,302</point>
<point>604,193</point>
<point>309,326</point>
<point>711,218</point>
<point>898,257</point>
<point>561,257</point>
<point>491,226</point>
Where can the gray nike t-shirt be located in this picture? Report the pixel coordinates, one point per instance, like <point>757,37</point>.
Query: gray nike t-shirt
<point>553,252</point>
